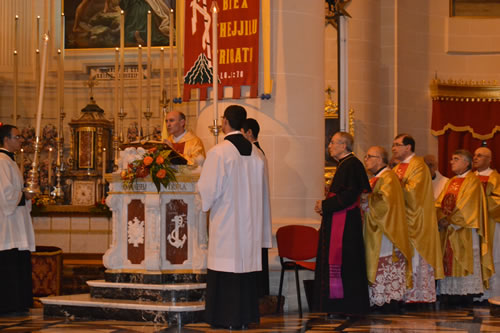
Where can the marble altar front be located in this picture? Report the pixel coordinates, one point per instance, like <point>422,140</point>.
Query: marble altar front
<point>156,263</point>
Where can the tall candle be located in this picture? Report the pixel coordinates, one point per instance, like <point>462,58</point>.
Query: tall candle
<point>16,69</point>
<point>103,166</point>
<point>42,85</point>
<point>139,83</point>
<point>49,163</point>
<point>60,93</point>
<point>122,54</point>
<point>171,43</point>
<point>117,56</point>
<point>148,98</point>
<point>16,21</point>
<point>162,73</point>
<point>215,60</point>
<point>37,56</point>
<point>61,64</point>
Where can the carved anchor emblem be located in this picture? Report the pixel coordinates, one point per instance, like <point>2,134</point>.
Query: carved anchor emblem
<point>173,237</point>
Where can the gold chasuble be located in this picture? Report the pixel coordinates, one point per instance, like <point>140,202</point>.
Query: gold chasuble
<point>463,204</point>
<point>190,147</point>
<point>386,215</point>
<point>423,231</point>
<point>491,186</point>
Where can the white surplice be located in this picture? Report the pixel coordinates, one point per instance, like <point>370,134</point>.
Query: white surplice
<point>16,229</point>
<point>235,190</point>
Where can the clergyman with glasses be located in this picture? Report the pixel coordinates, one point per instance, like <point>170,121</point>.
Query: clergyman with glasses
<point>340,286</point>
<point>415,179</point>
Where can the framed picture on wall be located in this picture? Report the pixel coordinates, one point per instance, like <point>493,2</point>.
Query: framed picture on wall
<point>96,23</point>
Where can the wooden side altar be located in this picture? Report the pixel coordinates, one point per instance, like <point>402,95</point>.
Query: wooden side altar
<point>156,264</point>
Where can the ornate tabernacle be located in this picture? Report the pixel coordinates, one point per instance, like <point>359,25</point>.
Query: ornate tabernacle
<point>156,265</point>
<point>91,153</point>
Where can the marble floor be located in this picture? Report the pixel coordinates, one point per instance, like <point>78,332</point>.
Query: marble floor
<point>474,319</point>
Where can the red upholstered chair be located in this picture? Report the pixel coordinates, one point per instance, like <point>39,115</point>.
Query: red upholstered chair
<point>296,243</point>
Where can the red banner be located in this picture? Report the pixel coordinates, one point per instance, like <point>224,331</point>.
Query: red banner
<point>238,46</point>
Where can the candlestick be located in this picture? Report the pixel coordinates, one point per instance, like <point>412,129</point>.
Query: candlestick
<point>171,44</point>
<point>122,55</point>
<point>139,83</point>
<point>215,68</point>
<point>49,163</point>
<point>148,103</point>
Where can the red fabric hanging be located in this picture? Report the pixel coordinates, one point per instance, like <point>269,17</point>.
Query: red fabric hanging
<point>465,125</point>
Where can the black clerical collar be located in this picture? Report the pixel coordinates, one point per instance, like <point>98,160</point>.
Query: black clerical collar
<point>238,140</point>
<point>8,153</point>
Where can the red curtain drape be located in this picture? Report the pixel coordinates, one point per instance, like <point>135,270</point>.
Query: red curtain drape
<point>465,125</point>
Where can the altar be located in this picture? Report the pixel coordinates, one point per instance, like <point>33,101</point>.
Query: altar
<point>156,263</point>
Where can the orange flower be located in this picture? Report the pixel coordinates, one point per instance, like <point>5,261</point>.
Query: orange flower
<point>160,160</point>
<point>123,174</point>
<point>148,160</point>
<point>161,174</point>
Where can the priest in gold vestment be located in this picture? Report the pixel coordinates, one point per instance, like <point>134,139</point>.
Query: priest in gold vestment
<point>388,249</point>
<point>490,180</point>
<point>461,210</point>
<point>183,141</point>
<point>423,233</point>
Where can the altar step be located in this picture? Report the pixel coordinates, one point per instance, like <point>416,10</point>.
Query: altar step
<point>174,303</point>
<point>83,306</point>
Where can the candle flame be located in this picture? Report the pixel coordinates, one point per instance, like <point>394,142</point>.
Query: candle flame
<point>58,51</point>
<point>117,49</point>
<point>122,12</point>
<point>161,49</point>
<point>149,12</point>
<point>15,52</point>
<point>62,14</point>
<point>171,10</point>
<point>17,17</point>
<point>38,17</point>
<point>45,37</point>
<point>50,149</point>
<point>140,46</point>
<point>22,150</point>
<point>37,51</point>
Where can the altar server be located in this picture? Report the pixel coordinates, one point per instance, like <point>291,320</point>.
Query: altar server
<point>233,186</point>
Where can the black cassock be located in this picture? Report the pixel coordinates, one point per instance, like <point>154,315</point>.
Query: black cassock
<point>349,182</point>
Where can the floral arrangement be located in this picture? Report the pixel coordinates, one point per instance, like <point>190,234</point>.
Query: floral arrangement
<point>155,162</point>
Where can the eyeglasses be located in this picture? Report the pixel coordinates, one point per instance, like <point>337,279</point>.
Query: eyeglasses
<point>336,143</point>
<point>368,156</point>
<point>397,144</point>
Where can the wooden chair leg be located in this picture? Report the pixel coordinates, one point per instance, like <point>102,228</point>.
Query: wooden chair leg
<point>298,290</point>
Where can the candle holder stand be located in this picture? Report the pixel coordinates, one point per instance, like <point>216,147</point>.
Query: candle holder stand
<point>147,114</point>
<point>215,129</point>
<point>121,115</point>
<point>32,184</point>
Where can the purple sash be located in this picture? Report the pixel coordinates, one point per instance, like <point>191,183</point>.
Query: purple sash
<point>335,255</point>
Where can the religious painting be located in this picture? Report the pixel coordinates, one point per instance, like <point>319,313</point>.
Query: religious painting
<point>96,23</point>
<point>473,8</point>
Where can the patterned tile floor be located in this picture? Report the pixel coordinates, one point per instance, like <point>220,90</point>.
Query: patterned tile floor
<point>476,319</point>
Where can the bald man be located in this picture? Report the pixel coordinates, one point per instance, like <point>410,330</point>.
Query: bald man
<point>182,141</point>
<point>491,184</point>
<point>438,180</point>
